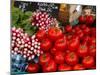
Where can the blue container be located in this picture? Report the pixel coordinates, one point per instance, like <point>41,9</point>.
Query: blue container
<point>18,63</point>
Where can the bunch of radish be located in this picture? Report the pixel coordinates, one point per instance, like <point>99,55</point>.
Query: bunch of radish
<point>43,20</point>
<point>25,45</point>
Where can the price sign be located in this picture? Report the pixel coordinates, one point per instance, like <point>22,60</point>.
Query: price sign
<point>52,8</point>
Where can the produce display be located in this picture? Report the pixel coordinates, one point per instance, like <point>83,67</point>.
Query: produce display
<point>39,43</point>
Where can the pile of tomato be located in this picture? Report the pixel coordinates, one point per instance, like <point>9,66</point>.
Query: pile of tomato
<point>73,48</point>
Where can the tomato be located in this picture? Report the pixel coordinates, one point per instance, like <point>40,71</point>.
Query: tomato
<point>53,50</point>
<point>41,34</point>
<point>93,32</point>
<point>54,33</point>
<point>61,44</point>
<point>44,58</point>
<point>83,26</point>
<point>80,33</point>
<point>50,66</point>
<point>78,67</point>
<point>84,43</point>
<point>77,28</point>
<point>71,58</point>
<point>93,29</point>
<point>46,45</point>
<point>93,67</point>
<point>59,57</point>
<point>68,51</point>
<point>89,20</point>
<point>92,50</point>
<point>64,67</point>
<point>32,68</point>
<point>82,19</point>
<point>68,28</point>
<point>69,36</point>
<point>86,31</point>
<point>92,41</point>
<point>76,37</point>
<point>73,44</point>
<point>88,61</point>
<point>82,50</point>
<point>86,39</point>
<point>73,30</point>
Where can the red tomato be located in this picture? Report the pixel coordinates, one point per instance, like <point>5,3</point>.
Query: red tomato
<point>84,43</point>
<point>50,66</point>
<point>78,67</point>
<point>46,45</point>
<point>83,26</point>
<point>86,39</point>
<point>93,29</point>
<point>77,28</point>
<point>64,67</point>
<point>88,61</point>
<point>53,50</point>
<point>59,57</point>
<point>80,33</point>
<point>61,44</point>
<point>69,36</point>
<point>82,50</point>
<point>54,33</point>
<point>92,50</point>
<point>77,37</point>
<point>89,20</point>
<point>68,51</point>
<point>93,67</point>
<point>41,34</point>
<point>93,32</point>
<point>68,28</point>
<point>73,30</point>
<point>44,58</point>
<point>71,58</point>
<point>86,30</point>
<point>32,68</point>
<point>73,44</point>
<point>92,41</point>
<point>82,19</point>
